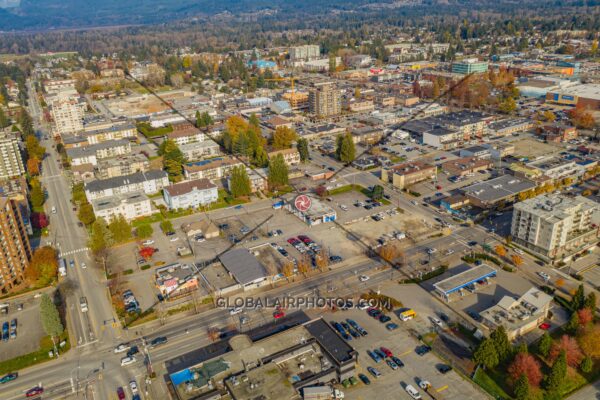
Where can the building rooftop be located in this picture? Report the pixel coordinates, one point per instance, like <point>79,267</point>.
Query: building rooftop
<point>177,271</point>
<point>181,188</point>
<point>116,200</point>
<point>499,188</point>
<point>585,90</point>
<point>244,267</point>
<point>211,163</point>
<point>554,208</point>
<point>410,167</point>
<point>78,152</point>
<point>118,181</point>
<point>465,278</point>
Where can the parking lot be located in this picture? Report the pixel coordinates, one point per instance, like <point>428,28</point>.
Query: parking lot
<point>29,329</point>
<point>391,383</point>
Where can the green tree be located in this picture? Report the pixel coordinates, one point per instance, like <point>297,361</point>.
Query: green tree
<point>34,150</point>
<point>544,345</point>
<point>377,192</point>
<point>590,301</point>
<point>100,236</point>
<point>50,317</point>
<point>522,388</point>
<point>37,195</point>
<point>144,231</point>
<point>302,146</point>
<point>26,123</point>
<point>206,119</point>
<point>486,354</point>
<point>501,343</point>
<point>345,150</point>
<point>556,377</point>
<point>573,323</point>
<point>4,121</point>
<point>173,159</point>
<point>278,172</point>
<point>239,182</point>
<point>522,348</point>
<point>261,159</point>
<point>578,300</point>
<point>166,226</point>
<point>120,229</point>
<point>508,105</point>
<point>78,193</point>
<point>587,364</point>
<point>86,214</point>
<point>199,120</point>
<point>254,121</point>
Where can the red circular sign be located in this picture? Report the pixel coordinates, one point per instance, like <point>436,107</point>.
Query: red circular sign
<point>302,202</point>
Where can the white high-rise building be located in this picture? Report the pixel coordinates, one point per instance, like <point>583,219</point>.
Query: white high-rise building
<point>556,226</point>
<point>11,162</point>
<point>305,53</point>
<point>67,113</point>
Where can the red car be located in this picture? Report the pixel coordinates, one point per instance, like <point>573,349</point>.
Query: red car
<point>438,187</point>
<point>34,391</point>
<point>121,393</point>
<point>278,314</point>
<point>545,326</point>
<point>386,351</point>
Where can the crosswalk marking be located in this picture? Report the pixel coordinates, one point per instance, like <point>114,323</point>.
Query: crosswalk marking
<point>68,253</point>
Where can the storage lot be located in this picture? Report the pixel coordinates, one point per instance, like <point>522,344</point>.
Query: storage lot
<point>29,328</point>
<point>391,384</point>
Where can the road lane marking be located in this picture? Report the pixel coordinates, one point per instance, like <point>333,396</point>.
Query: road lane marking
<point>442,388</point>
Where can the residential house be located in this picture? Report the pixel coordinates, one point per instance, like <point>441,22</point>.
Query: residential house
<point>290,156</point>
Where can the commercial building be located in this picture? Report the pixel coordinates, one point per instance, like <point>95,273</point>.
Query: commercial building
<point>190,194</point>
<point>275,362</point>
<point>325,100</point>
<point>476,152</point>
<point>520,315</point>
<point>510,126</point>
<point>499,150</point>
<point>213,169</point>
<point>244,268</point>
<point>557,168</point>
<point>558,132</point>
<point>585,95</point>
<point>494,191</point>
<point>466,165</point>
<point>366,134</point>
<point>441,138</point>
<point>465,282</point>
<point>555,226</point>
<point>149,182</point>
<point>317,213</point>
<point>130,205</point>
<point>15,251</point>
<point>406,174</point>
<point>469,66</point>
<point>176,279</point>
<point>11,162</point>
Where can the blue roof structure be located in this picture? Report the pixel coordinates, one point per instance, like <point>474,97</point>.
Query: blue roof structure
<point>464,279</point>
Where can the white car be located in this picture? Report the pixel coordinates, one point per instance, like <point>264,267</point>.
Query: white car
<point>423,384</point>
<point>343,207</point>
<point>127,361</point>
<point>133,386</point>
<point>449,251</point>
<point>363,278</point>
<point>235,310</point>
<point>83,265</point>
<point>121,348</point>
<point>431,250</point>
<point>437,321</point>
<point>174,239</point>
<point>544,275</point>
<point>518,251</point>
<point>148,242</point>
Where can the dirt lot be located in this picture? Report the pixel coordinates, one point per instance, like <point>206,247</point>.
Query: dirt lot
<point>531,148</point>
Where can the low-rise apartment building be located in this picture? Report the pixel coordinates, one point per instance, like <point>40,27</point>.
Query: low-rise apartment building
<point>121,165</point>
<point>130,205</point>
<point>194,193</point>
<point>186,133</point>
<point>198,150</point>
<point>406,174</point>
<point>555,226</point>
<point>148,182</point>
<point>213,169</point>
<point>91,154</point>
<point>11,162</point>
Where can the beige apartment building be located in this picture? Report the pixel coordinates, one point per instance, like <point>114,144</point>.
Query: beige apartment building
<point>325,100</point>
<point>15,251</point>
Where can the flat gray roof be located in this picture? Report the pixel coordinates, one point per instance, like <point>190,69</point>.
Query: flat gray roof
<point>498,188</point>
<point>464,278</point>
<point>244,267</point>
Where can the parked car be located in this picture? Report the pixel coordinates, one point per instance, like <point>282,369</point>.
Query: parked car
<point>414,393</point>
<point>397,361</point>
<point>391,326</point>
<point>374,371</point>
<point>444,368</point>
<point>365,379</point>
<point>120,393</point>
<point>34,391</point>
<point>121,348</point>
<point>422,350</point>
<point>127,361</point>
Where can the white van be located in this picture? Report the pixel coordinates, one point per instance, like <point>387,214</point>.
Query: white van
<point>53,210</point>
<point>414,393</point>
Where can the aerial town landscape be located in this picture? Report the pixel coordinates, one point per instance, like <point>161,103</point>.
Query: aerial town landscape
<point>299,200</point>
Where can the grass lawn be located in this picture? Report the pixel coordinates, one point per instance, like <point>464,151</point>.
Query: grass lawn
<point>347,188</point>
<point>489,385</point>
<point>36,357</point>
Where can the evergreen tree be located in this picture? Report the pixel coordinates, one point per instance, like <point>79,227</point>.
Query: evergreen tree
<point>239,182</point>
<point>173,159</point>
<point>100,237</point>
<point>302,146</point>
<point>278,172</point>
<point>544,345</point>
<point>199,120</point>
<point>573,323</point>
<point>207,119</point>
<point>345,151</point>
<point>590,301</point>
<point>261,159</point>
<point>578,301</point>
<point>4,121</point>
<point>501,343</point>
<point>144,231</point>
<point>558,373</point>
<point>254,120</point>
<point>26,123</point>
<point>86,214</point>
<point>522,388</point>
<point>242,145</point>
<point>586,365</point>
<point>522,348</point>
<point>486,354</point>
<point>50,317</point>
